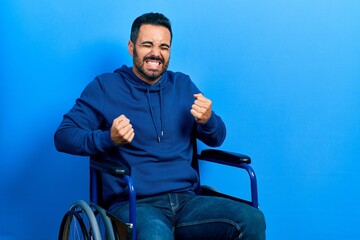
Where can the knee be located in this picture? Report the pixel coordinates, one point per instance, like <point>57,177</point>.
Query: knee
<point>254,226</point>
<point>259,220</point>
<point>154,230</point>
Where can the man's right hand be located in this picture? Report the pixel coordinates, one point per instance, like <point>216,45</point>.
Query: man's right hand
<point>121,130</point>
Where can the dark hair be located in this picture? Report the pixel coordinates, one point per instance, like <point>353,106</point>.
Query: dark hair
<point>149,18</point>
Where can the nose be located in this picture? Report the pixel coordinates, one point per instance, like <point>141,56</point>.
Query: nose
<point>156,50</point>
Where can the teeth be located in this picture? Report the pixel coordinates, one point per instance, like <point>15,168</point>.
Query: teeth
<point>153,63</point>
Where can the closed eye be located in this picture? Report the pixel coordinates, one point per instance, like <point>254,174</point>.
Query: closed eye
<point>163,46</point>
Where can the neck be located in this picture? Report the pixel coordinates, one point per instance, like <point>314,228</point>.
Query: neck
<point>145,79</point>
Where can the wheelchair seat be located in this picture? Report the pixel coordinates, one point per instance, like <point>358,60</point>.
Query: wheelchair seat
<point>90,220</point>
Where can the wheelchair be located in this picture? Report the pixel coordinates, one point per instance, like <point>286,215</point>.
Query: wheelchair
<point>90,221</point>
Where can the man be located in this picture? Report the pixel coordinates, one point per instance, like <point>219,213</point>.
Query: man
<point>146,117</point>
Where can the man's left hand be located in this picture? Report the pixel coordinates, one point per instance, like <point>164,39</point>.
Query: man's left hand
<point>201,109</point>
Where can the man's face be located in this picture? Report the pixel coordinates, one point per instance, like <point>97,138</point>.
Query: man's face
<point>151,52</point>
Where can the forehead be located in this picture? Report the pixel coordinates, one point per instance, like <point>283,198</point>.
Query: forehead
<point>154,33</point>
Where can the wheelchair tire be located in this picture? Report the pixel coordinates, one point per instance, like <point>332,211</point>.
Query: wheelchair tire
<point>104,223</point>
<point>79,223</point>
<point>73,227</point>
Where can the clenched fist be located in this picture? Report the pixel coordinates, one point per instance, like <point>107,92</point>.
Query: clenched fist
<point>121,130</point>
<point>201,109</point>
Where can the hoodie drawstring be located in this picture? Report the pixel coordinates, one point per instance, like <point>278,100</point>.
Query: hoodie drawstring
<point>161,111</point>
<point>161,114</point>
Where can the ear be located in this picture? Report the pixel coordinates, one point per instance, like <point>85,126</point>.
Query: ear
<point>131,47</point>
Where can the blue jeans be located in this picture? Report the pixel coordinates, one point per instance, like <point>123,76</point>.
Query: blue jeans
<point>188,216</point>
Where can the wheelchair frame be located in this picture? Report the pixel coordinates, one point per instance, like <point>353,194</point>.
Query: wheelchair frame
<point>91,230</point>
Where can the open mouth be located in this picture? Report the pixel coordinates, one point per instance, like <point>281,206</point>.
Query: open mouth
<point>153,62</point>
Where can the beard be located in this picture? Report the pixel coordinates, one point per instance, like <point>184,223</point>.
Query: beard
<point>149,75</point>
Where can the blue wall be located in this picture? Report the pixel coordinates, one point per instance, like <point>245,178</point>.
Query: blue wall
<point>285,76</point>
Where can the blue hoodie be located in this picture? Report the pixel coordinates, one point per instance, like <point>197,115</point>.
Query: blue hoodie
<point>159,157</point>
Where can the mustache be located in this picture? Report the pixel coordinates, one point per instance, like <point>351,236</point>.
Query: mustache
<point>154,58</point>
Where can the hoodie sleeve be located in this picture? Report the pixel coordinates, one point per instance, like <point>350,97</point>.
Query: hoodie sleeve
<point>213,132</point>
<point>80,130</point>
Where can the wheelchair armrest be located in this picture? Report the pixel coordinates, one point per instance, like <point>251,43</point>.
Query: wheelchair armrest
<point>114,168</point>
<point>224,157</point>
<point>235,160</point>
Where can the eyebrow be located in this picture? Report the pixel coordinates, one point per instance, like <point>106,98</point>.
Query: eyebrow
<point>160,45</point>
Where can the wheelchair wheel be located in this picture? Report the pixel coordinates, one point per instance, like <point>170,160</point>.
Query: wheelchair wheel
<point>104,223</point>
<point>79,223</point>
<point>73,227</point>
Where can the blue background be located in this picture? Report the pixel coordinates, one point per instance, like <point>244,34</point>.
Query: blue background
<point>284,75</point>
